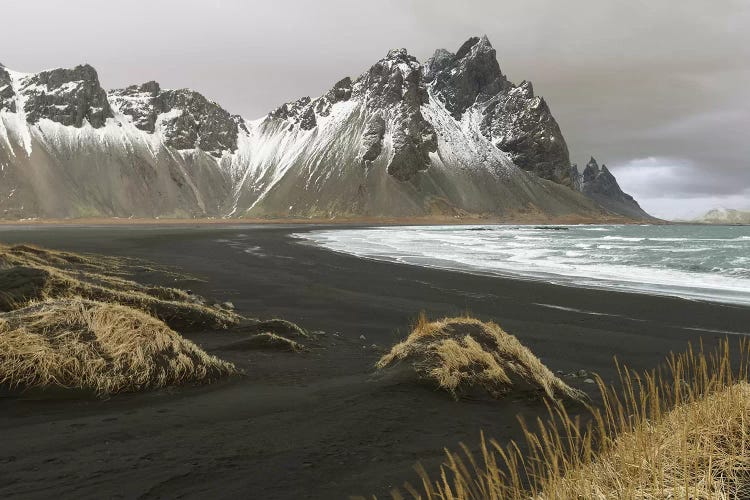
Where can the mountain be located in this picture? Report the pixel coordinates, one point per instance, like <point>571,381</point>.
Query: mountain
<point>600,185</point>
<point>725,216</point>
<point>452,136</point>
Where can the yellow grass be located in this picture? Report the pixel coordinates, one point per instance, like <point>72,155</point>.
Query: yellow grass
<point>94,277</point>
<point>34,256</point>
<point>105,348</point>
<point>680,433</point>
<point>464,354</point>
<point>268,340</point>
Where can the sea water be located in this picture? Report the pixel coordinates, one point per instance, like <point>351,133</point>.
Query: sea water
<point>699,262</point>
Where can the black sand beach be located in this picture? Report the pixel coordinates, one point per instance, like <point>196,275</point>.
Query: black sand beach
<point>315,424</point>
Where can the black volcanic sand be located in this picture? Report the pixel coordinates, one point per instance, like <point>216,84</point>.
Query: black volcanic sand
<point>315,424</point>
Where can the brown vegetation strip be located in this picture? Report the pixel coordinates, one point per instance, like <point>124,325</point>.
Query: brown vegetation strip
<point>681,433</point>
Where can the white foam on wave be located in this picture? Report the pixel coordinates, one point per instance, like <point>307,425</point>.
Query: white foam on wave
<point>711,330</point>
<point>676,265</point>
<point>622,238</point>
<point>582,311</point>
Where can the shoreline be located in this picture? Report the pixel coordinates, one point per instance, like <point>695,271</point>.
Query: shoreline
<point>317,425</point>
<point>564,280</point>
<point>376,221</point>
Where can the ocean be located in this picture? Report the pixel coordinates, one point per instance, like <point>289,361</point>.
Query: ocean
<point>699,262</point>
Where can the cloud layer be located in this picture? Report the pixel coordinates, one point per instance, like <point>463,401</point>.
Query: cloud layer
<point>626,80</point>
<point>673,188</point>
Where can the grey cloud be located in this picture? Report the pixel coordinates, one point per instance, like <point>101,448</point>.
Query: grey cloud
<point>649,176</point>
<point>675,188</point>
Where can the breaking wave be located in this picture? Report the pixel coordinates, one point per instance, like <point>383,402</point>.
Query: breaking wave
<point>694,262</point>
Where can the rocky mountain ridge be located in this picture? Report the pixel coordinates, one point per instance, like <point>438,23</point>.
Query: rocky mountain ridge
<point>452,136</point>
<point>600,185</point>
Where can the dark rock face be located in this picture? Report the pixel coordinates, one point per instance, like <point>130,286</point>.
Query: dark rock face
<point>395,86</point>
<point>393,81</point>
<point>202,124</point>
<point>576,179</point>
<point>601,180</point>
<point>522,125</point>
<point>591,172</point>
<point>7,94</point>
<point>471,75</point>
<point>600,185</point>
<point>341,91</point>
<point>394,89</point>
<point>392,92</point>
<point>66,96</point>
<point>139,103</point>
<point>191,120</point>
<point>372,140</point>
<point>291,110</point>
<point>440,60</point>
<point>303,112</point>
<point>515,120</point>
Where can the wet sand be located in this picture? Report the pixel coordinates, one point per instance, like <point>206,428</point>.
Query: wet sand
<point>316,424</point>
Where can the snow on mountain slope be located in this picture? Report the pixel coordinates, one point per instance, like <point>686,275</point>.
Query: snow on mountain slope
<point>452,136</point>
<point>725,216</point>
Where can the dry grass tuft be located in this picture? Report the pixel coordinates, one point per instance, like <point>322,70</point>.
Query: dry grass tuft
<point>34,256</point>
<point>29,274</point>
<point>267,340</point>
<point>681,433</point>
<point>104,348</point>
<point>276,326</point>
<point>465,354</point>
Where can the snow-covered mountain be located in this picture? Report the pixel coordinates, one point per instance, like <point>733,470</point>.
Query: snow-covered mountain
<point>725,216</point>
<point>451,136</point>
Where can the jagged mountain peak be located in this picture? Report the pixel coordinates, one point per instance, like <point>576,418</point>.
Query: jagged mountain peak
<point>7,93</point>
<point>476,45</point>
<point>527,89</point>
<point>450,136</point>
<point>151,87</point>
<point>393,92</point>
<point>396,87</point>
<point>471,75</point>
<point>591,171</point>
<point>439,60</point>
<point>185,118</point>
<point>401,55</point>
<point>69,96</point>
<point>394,79</point>
<point>512,117</point>
<point>601,185</point>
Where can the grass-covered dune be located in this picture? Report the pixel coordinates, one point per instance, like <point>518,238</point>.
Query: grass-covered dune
<point>29,274</point>
<point>464,355</point>
<point>97,347</point>
<point>71,321</point>
<point>679,433</point>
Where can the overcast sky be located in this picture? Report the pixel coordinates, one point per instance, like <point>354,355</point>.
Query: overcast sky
<point>658,90</point>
